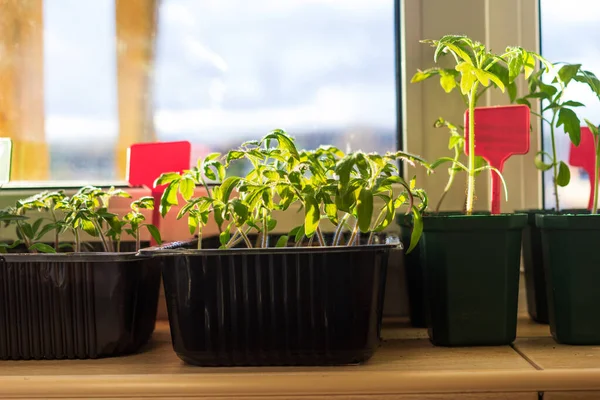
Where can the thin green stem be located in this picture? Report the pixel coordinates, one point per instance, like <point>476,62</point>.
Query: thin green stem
<point>265,232</point>
<point>137,241</point>
<point>353,235</point>
<point>338,231</point>
<point>554,162</point>
<point>320,237</point>
<point>597,148</point>
<point>246,240</point>
<point>56,233</point>
<point>199,247</point>
<point>77,241</point>
<point>450,180</point>
<point>471,178</point>
<point>101,234</point>
<point>377,222</point>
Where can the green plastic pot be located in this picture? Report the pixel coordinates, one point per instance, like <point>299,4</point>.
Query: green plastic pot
<point>471,268</point>
<point>572,266</point>
<point>413,273</point>
<point>535,277</point>
<point>413,269</point>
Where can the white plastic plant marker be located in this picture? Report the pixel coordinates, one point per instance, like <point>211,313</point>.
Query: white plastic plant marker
<point>5,160</point>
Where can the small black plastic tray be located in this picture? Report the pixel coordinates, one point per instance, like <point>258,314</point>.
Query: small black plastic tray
<point>274,306</point>
<point>76,305</point>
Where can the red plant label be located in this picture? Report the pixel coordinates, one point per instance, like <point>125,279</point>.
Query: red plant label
<point>500,132</point>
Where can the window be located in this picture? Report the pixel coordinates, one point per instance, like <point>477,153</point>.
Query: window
<point>324,70</point>
<point>214,72</point>
<point>569,34</point>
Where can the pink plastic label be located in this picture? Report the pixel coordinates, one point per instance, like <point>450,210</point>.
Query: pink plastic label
<point>584,156</point>
<point>500,132</point>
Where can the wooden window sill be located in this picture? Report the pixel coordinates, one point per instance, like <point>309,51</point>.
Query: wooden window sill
<point>406,366</point>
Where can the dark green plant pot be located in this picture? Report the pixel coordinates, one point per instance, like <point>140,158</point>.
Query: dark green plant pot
<point>471,268</point>
<point>535,277</point>
<point>414,271</point>
<point>572,266</point>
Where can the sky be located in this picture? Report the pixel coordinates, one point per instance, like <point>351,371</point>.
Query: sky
<point>570,32</point>
<point>237,68</point>
<point>227,68</point>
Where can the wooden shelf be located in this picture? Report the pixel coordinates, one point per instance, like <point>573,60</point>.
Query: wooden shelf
<point>406,367</point>
<point>406,364</point>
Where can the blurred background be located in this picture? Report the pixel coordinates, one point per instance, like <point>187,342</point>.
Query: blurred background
<point>80,81</point>
<point>213,72</point>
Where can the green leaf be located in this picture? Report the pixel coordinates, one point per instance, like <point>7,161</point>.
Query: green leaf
<point>224,237</point>
<point>168,198</point>
<point>485,77</point>
<point>192,225</point>
<point>364,209</point>
<point>285,142</point>
<point>564,175</point>
<point>282,241</point>
<point>447,81</point>
<point>88,227</point>
<point>154,232</point>
<point>331,211</point>
<point>515,65</point>
<point>528,64</point>
<point>454,141</point>
<point>47,228</point>
<point>592,127</point>
<point>36,226</point>
<point>420,76</point>
<point>511,88</point>
<point>312,215</point>
<point>227,187</point>
<point>167,178</point>
<point>467,79</point>
<point>42,248</point>
<point>241,211</point>
<point>234,155</point>
<point>567,72</point>
<point>298,233</point>
<point>569,119</point>
<point>523,101</point>
<point>186,188</point>
<point>572,103</point>
<point>541,165</point>
<point>417,229</point>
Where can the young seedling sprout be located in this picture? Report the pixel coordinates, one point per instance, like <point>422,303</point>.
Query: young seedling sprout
<point>478,67</point>
<point>562,115</point>
<point>593,83</point>
<point>324,183</point>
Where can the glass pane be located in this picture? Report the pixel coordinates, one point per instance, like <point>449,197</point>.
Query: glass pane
<point>229,71</point>
<point>214,72</point>
<point>80,88</point>
<point>569,34</point>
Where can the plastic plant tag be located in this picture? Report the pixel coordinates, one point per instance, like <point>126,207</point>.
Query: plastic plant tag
<point>147,161</point>
<point>5,160</point>
<point>500,133</point>
<point>583,156</point>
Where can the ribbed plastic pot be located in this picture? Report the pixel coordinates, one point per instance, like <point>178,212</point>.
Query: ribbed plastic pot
<point>572,266</point>
<point>274,306</point>
<point>84,305</point>
<point>472,278</point>
<point>535,278</point>
<point>413,269</point>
